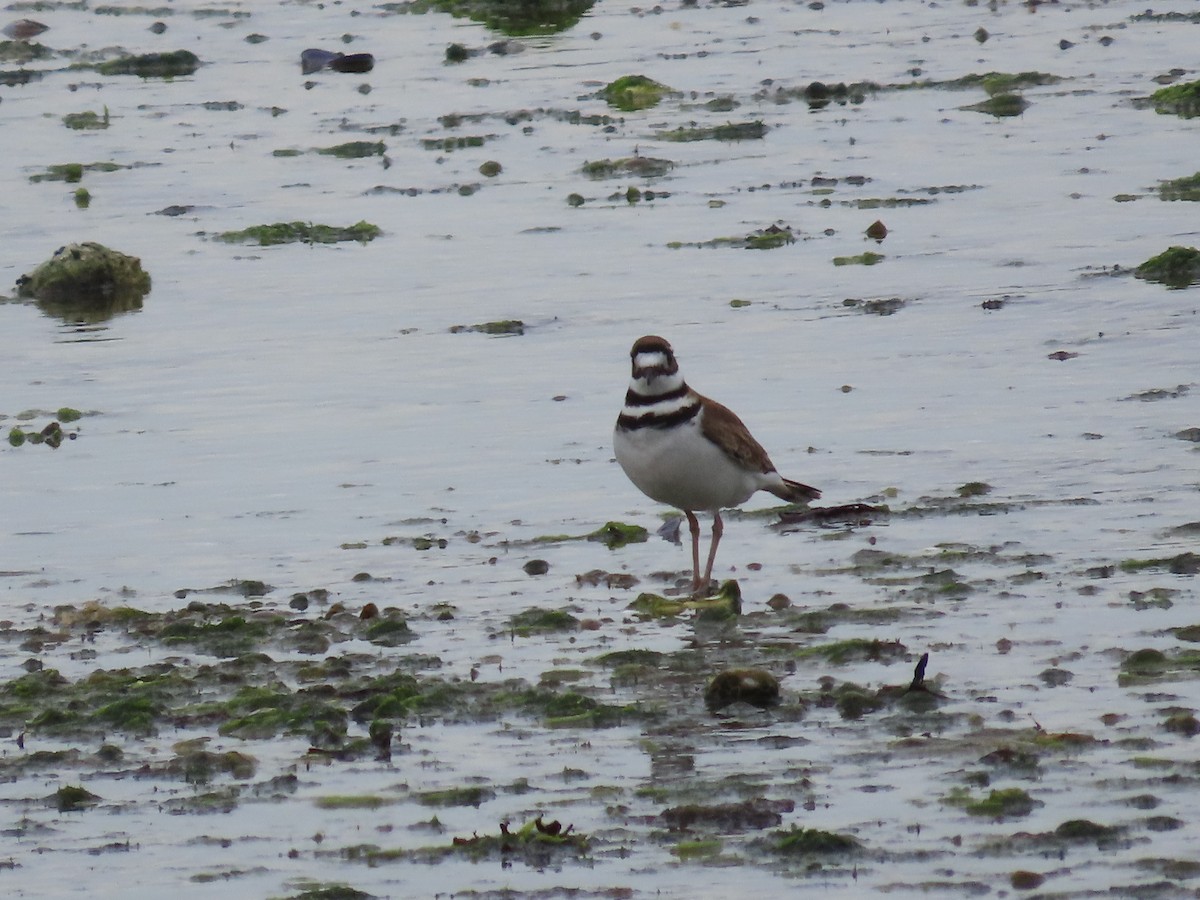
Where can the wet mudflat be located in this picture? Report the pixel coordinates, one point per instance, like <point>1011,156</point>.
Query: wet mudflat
<point>303,602</point>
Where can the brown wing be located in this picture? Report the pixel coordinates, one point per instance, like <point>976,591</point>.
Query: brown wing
<point>721,425</point>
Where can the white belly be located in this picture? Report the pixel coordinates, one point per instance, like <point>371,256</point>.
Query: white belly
<point>682,468</point>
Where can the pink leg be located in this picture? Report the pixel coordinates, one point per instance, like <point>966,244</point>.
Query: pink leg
<point>694,525</point>
<point>718,530</point>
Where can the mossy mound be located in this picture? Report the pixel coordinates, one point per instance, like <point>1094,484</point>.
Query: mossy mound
<point>1176,267</point>
<point>152,65</point>
<point>88,279</point>
<point>633,92</point>
<point>1178,100</point>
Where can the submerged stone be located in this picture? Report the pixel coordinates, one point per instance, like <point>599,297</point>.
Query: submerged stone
<point>756,687</point>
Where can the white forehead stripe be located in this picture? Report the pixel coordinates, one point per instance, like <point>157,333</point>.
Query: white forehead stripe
<point>650,359</point>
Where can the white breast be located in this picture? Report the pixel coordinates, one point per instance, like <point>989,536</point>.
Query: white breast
<point>682,468</point>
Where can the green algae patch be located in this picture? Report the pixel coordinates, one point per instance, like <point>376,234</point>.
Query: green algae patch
<point>615,535</point>
<point>574,710</point>
<point>499,328</point>
<point>228,636</point>
<point>862,259</point>
<point>87,121</point>
<point>629,166</point>
<point>1000,105</point>
<point>726,604</point>
<point>313,891</point>
<point>88,277</point>
<point>1178,100</point>
<point>754,814</point>
<point>1186,188</point>
<point>854,650</point>
<point>633,657</point>
<point>1085,830</point>
<point>996,83</point>
<point>354,801</point>
<point>538,843</point>
<point>301,232</point>
<point>22,52</point>
<point>354,150</point>
<point>756,687</point>
<point>705,849</point>
<point>806,842</point>
<point>540,621</point>
<point>730,131</point>
<point>196,765</point>
<point>631,93</point>
<point>450,144</point>
<point>172,64</point>
<point>1186,563</point>
<point>72,173</point>
<point>73,798</point>
<point>1176,267</point>
<point>1149,666</point>
<point>1002,804</point>
<point>390,630</point>
<point>259,713</point>
<point>472,795</point>
<point>770,238</point>
<point>50,435</point>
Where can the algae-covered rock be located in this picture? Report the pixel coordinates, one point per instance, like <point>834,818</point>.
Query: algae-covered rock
<point>152,65</point>
<point>1178,99</point>
<point>88,280</point>
<point>633,92</point>
<point>519,17</point>
<point>1176,267</point>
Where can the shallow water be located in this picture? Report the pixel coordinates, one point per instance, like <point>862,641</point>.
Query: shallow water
<point>270,408</point>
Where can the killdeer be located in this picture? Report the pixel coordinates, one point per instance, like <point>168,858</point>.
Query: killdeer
<point>690,452</point>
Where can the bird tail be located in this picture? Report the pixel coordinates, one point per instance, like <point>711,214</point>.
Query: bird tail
<point>795,492</point>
